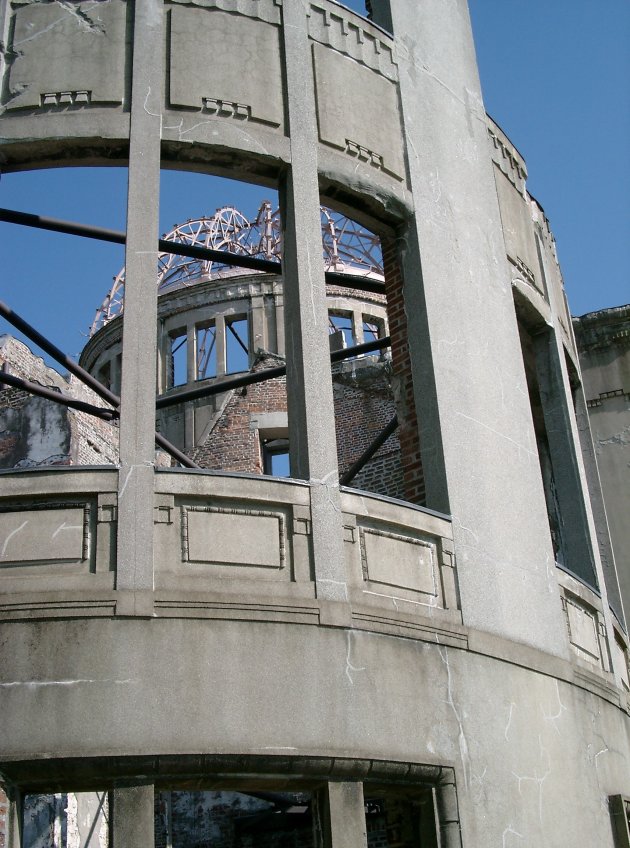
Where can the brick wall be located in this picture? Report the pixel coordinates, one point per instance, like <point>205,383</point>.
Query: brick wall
<point>233,445</point>
<point>364,405</point>
<point>408,433</point>
<point>4,819</point>
<point>73,437</point>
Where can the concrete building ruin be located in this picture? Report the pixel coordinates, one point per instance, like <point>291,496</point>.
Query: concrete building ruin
<point>198,650</point>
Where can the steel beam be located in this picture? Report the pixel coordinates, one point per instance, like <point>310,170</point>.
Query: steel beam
<point>252,377</point>
<point>367,455</point>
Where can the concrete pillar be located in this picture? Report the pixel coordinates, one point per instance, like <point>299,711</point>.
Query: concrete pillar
<point>259,334</point>
<point>132,817</point>
<point>134,578</point>
<point>606,554</point>
<point>344,816</point>
<point>462,330</point>
<point>15,818</point>
<point>448,815</point>
<point>220,344</point>
<point>312,439</point>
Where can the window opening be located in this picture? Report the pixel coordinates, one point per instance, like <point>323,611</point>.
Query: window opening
<point>236,345</point>
<point>206,352</point>
<point>50,820</point>
<point>105,375</point>
<point>234,819</point>
<point>400,819</point>
<point>341,330</point>
<point>178,360</point>
<point>276,457</point>
<point>373,329</point>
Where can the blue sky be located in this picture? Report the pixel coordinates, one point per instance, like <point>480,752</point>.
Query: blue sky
<point>554,76</point>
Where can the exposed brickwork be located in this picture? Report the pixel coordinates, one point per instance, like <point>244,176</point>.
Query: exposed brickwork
<point>364,406</point>
<point>4,818</point>
<point>233,445</point>
<point>408,432</point>
<point>74,437</point>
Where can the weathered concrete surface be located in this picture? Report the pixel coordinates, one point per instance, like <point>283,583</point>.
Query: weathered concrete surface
<point>525,759</point>
<point>493,681</point>
<point>462,295</point>
<point>603,343</point>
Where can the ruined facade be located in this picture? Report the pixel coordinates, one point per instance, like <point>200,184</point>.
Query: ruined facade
<point>199,656</point>
<point>603,341</point>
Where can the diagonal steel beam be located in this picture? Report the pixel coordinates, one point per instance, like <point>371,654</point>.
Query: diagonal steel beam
<point>252,377</point>
<point>369,452</point>
<point>83,375</point>
<point>194,251</point>
<point>57,397</point>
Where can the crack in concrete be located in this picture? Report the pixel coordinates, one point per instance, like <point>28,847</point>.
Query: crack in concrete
<point>349,666</point>
<point>561,709</point>
<point>10,536</point>
<point>509,721</point>
<point>510,830</point>
<point>461,739</point>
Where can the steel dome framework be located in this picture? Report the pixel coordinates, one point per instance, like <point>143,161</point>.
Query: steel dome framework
<point>347,247</point>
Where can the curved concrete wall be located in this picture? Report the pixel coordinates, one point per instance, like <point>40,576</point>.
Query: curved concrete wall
<point>154,621</point>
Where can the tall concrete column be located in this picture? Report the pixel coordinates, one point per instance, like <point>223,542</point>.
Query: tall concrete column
<point>345,816</point>
<point>462,325</point>
<point>15,819</point>
<point>312,439</point>
<point>132,817</point>
<point>134,578</point>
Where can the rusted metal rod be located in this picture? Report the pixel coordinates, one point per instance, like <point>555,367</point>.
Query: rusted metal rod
<point>53,351</point>
<point>359,350</point>
<point>367,455</point>
<point>57,396</point>
<point>194,251</point>
<point>252,377</point>
<point>83,375</point>
<point>269,266</point>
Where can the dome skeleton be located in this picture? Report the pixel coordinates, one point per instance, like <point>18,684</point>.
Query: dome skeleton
<point>347,248</point>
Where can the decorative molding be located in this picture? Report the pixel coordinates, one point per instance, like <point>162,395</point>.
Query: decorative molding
<point>353,36</point>
<point>365,155</point>
<point>219,108</point>
<point>582,625</point>
<point>228,109</point>
<point>235,511</point>
<point>60,506</point>
<point>397,537</point>
<point>107,513</point>
<point>262,10</point>
<point>66,98</point>
<point>162,514</point>
<point>607,396</point>
<point>301,526</point>
<point>507,162</point>
<point>399,626</point>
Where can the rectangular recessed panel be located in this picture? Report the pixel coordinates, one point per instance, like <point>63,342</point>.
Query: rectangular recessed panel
<point>42,535</point>
<point>67,57</point>
<point>247,89</point>
<point>234,537</point>
<point>357,111</point>
<point>399,561</point>
<point>583,629</point>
